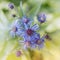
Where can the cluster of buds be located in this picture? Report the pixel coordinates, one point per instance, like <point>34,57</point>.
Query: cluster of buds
<point>24,27</point>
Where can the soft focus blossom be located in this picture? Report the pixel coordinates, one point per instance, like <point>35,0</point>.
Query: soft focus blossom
<point>41,18</point>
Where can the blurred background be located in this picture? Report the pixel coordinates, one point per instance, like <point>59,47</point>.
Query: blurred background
<point>51,8</point>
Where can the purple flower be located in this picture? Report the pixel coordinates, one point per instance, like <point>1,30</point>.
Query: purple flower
<point>20,26</point>
<point>23,28</point>
<point>34,42</point>
<point>11,5</point>
<point>41,18</point>
<point>29,31</point>
<point>32,38</point>
<point>15,29</point>
<point>30,35</point>
<point>40,43</point>
<point>18,23</point>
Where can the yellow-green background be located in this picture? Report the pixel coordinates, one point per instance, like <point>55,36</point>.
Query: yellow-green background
<point>8,46</point>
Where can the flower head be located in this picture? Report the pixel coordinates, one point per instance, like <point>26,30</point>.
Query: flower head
<point>41,18</point>
<point>29,32</point>
<point>40,42</point>
<point>23,27</point>
<point>16,26</point>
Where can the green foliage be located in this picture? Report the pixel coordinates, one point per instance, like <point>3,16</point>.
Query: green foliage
<point>17,2</point>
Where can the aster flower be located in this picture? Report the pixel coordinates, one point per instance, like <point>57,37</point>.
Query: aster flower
<point>33,42</point>
<point>25,30</point>
<point>19,26</point>
<point>31,37</point>
<point>15,27</point>
<point>28,30</point>
<point>40,43</point>
<point>41,18</point>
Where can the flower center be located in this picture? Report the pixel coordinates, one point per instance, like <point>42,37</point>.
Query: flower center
<point>42,19</point>
<point>29,32</point>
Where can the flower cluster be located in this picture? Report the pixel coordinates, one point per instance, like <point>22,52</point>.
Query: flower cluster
<point>24,27</point>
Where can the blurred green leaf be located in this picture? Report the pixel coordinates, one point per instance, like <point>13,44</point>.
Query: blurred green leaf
<point>35,10</point>
<point>16,2</point>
